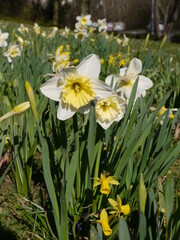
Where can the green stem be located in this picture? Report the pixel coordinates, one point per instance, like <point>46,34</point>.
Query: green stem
<point>76,139</point>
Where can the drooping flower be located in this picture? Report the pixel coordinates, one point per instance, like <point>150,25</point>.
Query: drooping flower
<point>75,87</point>
<point>3,37</point>
<point>12,52</point>
<point>123,83</point>
<point>118,208</point>
<point>110,109</point>
<point>105,223</point>
<point>105,182</point>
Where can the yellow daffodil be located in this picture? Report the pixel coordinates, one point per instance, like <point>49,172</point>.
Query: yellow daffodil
<point>105,223</point>
<point>118,55</point>
<point>75,87</point>
<point>111,60</point>
<point>105,182</point>
<point>122,62</point>
<point>102,61</point>
<point>118,208</point>
<point>75,61</point>
<point>123,83</point>
<point>16,110</point>
<point>109,109</point>
<point>164,109</point>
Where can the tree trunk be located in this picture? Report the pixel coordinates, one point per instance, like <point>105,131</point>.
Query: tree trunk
<point>157,18</point>
<point>55,12</point>
<point>85,7</point>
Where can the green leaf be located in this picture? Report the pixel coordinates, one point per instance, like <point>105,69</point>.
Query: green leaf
<point>169,199</point>
<point>64,217</point>
<point>123,230</point>
<point>142,231</point>
<point>50,185</point>
<point>71,173</point>
<point>91,135</point>
<point>142,195</point>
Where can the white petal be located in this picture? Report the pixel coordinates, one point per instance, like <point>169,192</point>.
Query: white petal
<point>5,35</point>
<point>101,88</point>
<point>105,125</point>
<point>51,90</point>
<point>140,92</point>
<point>111,80</point>
<point>122,71</point>
<point>125,92</point>
<point>65,111</point>
<point>144,82</point>
<point>90,66</point>
<point>85,109</point>
<point>135,67</point>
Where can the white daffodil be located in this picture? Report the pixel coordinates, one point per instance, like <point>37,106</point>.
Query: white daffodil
<point>110,109</point>
<point>12,52</point>
<point>22,29</point>
<point>36,28</point>
<point>102,25</point>
<point>81,34</point>
<point>83,22</point>
<point>3,37</point>
<point>62,59</point>
<point>123,83</point>
<point>75,87</point>
<point>65,32</point>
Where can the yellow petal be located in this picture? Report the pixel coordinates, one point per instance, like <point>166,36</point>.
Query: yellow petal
<point>103,176</point>
<point>96,184</point>
<point>104,215</point>
<point>112,202</point>
<point>125,209</point>
<point>114,182</point>
<point>106,228</point>
<point>119,200</point>
<point>105,189</point>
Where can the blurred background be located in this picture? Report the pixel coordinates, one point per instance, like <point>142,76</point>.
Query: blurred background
<point>159,17</point>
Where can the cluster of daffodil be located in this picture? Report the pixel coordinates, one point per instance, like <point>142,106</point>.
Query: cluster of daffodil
<point>76,88</point>
<point>116,208</point>
<point>117,60</point>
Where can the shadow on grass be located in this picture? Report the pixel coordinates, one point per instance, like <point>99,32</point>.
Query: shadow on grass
<point>7,234</point>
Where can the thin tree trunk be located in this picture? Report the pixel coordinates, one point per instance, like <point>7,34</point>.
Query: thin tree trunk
<point>157,18</point>
<point>55,12</point>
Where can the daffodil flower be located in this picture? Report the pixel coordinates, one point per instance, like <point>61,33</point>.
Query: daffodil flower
<point>102,25</point>
<point>75,87</point>
<point>83,21</point>
<point>3,37</point>
<point>110,109</point>
<point>164,109</point>
<point>123,83</point>
<point>105,182</point>
<point>105,223</point>
<point>12,52</point>
<point>118,208</point>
